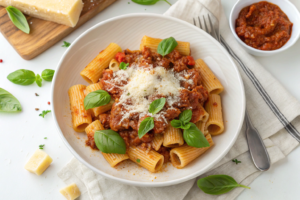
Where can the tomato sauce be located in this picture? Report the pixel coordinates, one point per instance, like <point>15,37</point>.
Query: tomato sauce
<point>263,26</point>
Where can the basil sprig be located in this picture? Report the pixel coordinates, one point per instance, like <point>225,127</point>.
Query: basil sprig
<point>218,184</point>
<point>44,112</point>
<point>166,46</point>
<point>191,134</point>
<point>48,74</point>
<point>148,123</point>
<point>18,19</point>
<point>123,65</point>
<point>96,99</point>
<point>109,141</point>
<point>9,103</point>
<point>184,119</point>
<point>38,80</point>
<point>149,2</point>
<point>22,77</point>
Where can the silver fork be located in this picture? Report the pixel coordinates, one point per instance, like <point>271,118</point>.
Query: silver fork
<point>256,145</point>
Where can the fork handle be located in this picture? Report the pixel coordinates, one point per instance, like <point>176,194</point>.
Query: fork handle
<point>256,145</point>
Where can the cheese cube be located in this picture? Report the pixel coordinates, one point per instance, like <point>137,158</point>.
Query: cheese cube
<point>71,192</point>
<point>38,162</point>
<point>65,12</point>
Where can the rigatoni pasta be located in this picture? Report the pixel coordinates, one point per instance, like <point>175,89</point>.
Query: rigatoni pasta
<point>80,117</point>
<point>210,81</point>
<point>114,65</point>
<point>157,141</point>
<point>182,156</point>
<point>215,124</point>
<point>93,71</point>
<point>151,160</point>
<point>173,137</point>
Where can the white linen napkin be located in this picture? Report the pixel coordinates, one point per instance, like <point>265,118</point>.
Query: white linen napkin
<point>273,111</point>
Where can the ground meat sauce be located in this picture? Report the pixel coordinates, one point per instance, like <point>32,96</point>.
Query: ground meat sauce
<point>191,96</point>
<point>263,26</point>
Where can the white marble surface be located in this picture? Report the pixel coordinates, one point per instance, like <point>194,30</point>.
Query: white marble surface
<point>22,133</point>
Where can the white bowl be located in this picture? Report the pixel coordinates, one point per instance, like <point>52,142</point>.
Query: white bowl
<point>286,6</point>
<point>127,31</point>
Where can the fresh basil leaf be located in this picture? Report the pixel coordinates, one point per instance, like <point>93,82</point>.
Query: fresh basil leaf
<point>48,74</point>
<point>38,80</point>
<point>9,103</point>
<point>96,99</point>
<point>176,123</point>
<point>186,116</point>
<point>18,19</point>
<point>218,184</point>
<point>166,46</point>
<point>145,2</point>
<point>109,141</point>
<point>44,112</point>
<point>22,77</point>
<point>185,126</point>
<point>149,2</point>
<point>146,125</point>
<point>66,44</point>
<point>123,65</point>
<point>157,105</point>
<point>194,137</point>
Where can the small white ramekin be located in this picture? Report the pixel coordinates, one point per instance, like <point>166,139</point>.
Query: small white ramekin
<point>286,6</point>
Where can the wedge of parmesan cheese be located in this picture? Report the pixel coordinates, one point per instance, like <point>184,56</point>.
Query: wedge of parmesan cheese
<point>71,192</point>
<point>65,12</point>
<point>38,162</point>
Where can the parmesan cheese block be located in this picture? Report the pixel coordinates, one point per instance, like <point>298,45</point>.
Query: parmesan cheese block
<point>38,162</point>
<point>65,12</point>
<point>71,192</point>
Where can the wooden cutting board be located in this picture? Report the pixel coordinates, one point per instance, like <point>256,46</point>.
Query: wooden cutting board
<point>44,34</point>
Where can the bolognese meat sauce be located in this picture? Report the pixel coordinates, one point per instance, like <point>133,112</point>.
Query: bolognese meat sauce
<point>263,26</point>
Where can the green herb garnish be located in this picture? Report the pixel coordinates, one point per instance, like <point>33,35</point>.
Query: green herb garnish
<point>148,123</point>
<point>45,138</point>
<point>18,19</point>
<point>22,77</point>
<point>123,65</point>
<point>44,112</point>
<point>109,141</point>
<point>149,2</point>
<point>166,46</point>
<point>48,74</point>
<point>236,161</point>
<point>66,44</point>
<point>138,160</point>
<point>38,80</point>
<point>96,99</point>
<point>41,146</point>
<point>9,103</point>
<point>191,134</point>
<point>218,184</point>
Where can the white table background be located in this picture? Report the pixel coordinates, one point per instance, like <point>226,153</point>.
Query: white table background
<point>22,133</point>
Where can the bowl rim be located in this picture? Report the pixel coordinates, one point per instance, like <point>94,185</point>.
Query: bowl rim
<point>271,52</point>
<point>141,183</point>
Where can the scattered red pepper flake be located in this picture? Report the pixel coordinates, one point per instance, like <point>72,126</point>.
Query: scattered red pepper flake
<point>215,104</point>
<point>1,60</point>
<point>48,102</point>
<point>37,109</point>
<point>36,94</point>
